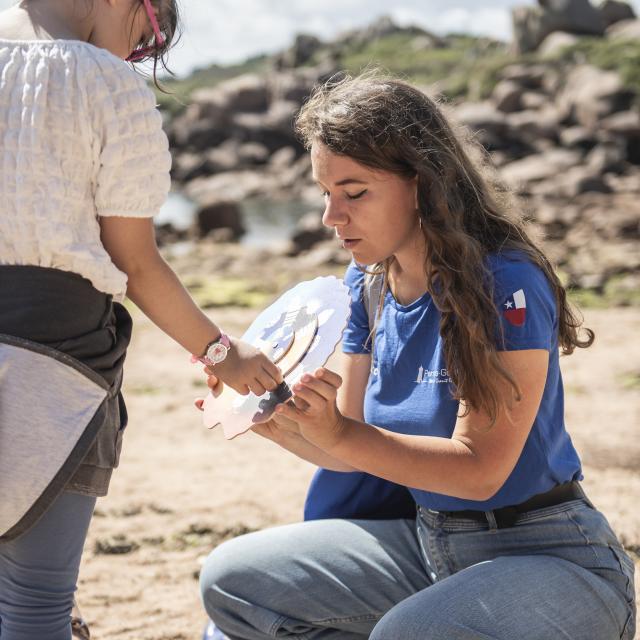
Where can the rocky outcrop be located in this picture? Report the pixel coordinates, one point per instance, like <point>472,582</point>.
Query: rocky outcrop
<point>532,25</point>
<point>564,138</point>
<point>613,11</point>
<point>575,162</point>
<point>309,232</point>
<point>220,214</point>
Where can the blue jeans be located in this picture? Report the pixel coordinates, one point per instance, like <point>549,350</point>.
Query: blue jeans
<point>39,571</point>
<point>559,572</point>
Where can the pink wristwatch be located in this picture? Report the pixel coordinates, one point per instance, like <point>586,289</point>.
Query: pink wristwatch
<point>215,352</point>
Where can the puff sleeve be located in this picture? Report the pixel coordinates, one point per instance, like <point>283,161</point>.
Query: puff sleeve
<point>131,150</point>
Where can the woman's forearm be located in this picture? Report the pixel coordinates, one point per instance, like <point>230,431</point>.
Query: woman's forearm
<point>441,465</point>
<point>302,448</point>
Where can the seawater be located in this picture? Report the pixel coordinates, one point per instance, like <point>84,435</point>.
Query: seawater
<point>268,222</point>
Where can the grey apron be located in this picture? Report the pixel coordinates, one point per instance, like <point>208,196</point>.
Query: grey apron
<point>62,347</point>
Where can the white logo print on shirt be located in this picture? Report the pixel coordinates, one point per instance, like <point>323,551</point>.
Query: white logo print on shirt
<point>432,376</point>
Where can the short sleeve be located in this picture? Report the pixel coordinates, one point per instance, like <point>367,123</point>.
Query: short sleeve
<point>526,306</point>
<point>356,336</point>
<point>133,159</point>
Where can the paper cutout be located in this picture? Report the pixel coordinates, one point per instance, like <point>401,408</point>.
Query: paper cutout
<point>298,332</point>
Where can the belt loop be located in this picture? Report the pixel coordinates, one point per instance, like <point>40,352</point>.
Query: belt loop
<point>491,519</point>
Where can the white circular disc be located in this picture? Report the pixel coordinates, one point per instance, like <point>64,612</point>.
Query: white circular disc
<point>299,332</point>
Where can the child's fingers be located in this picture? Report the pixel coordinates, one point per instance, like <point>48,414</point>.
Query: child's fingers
<point>329,376</point>
<point>273,373</point>
<point>257,388</point>
<point>198,403</point>
<point>266,380</point>
<point>215,385</point>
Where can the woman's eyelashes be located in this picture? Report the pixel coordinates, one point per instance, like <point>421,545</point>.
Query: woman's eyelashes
<point>349,196</point>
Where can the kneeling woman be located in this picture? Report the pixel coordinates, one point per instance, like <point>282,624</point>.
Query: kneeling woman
<point>456,394</point>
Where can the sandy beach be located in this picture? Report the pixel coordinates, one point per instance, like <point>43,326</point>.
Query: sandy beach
<point>181,489</point>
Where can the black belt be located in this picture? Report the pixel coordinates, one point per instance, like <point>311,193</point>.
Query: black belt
<point>507,516</point>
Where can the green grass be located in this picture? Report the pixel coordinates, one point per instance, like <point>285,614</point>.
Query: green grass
<point>629,380</point>
<point>462,68</point>
<point>227,292</point>
<point>613,294</point>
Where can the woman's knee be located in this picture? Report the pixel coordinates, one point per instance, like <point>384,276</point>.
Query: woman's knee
<point>232,571</point>
<point>220,574</point>
<point>418,618</point>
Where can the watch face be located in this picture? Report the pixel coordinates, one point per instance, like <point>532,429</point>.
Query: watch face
<point>217,352</point>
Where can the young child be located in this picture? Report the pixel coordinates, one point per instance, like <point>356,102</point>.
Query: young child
<point>85,166</point>
<point>456,394</point>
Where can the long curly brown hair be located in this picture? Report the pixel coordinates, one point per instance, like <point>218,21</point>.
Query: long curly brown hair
<point>387,124</point>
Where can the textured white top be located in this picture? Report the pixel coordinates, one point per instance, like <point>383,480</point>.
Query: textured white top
<point>80,137</point>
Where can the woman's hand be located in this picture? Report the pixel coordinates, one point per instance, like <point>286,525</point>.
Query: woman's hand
<point>313,408</point>
<point>277,429</point>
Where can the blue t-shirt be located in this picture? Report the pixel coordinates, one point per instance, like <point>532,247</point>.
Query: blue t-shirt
<point>409,389</point>
<point>356,495</point>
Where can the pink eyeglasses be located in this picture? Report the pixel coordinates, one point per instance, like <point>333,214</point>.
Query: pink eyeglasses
<point>144,52</point>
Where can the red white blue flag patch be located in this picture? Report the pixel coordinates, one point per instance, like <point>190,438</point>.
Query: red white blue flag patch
<point>515,308</point>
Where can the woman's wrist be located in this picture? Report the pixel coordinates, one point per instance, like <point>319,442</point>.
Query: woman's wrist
<point>334,439</point>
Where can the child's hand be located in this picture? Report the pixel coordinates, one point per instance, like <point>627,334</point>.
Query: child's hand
<point>247,369</point>
<point>314,408</point>
<point>215,385</point>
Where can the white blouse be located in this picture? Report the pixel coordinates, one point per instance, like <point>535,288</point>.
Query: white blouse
<point>80,137</point>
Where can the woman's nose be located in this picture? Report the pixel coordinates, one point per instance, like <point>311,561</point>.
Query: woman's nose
<point>333,215</point>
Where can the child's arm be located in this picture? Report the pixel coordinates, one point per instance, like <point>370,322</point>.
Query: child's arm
<point>155,288</point>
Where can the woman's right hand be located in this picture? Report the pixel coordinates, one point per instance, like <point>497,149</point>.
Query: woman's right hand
<point>277,428</point>
<point>246,369</point>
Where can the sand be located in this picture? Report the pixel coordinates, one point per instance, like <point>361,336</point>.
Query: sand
<point>181,488</point>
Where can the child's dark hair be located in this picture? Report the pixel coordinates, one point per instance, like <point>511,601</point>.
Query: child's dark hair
<point>168,21</point>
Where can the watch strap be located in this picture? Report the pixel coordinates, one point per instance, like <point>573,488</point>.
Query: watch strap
<point>223,339</point>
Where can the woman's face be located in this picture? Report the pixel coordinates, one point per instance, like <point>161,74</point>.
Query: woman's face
<point>120,26</point>
<point>374,213</point>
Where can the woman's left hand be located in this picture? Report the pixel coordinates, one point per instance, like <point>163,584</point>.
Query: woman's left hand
<point>314,408</point>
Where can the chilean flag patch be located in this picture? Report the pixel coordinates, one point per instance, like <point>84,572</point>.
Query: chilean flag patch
<point>515,308</point>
